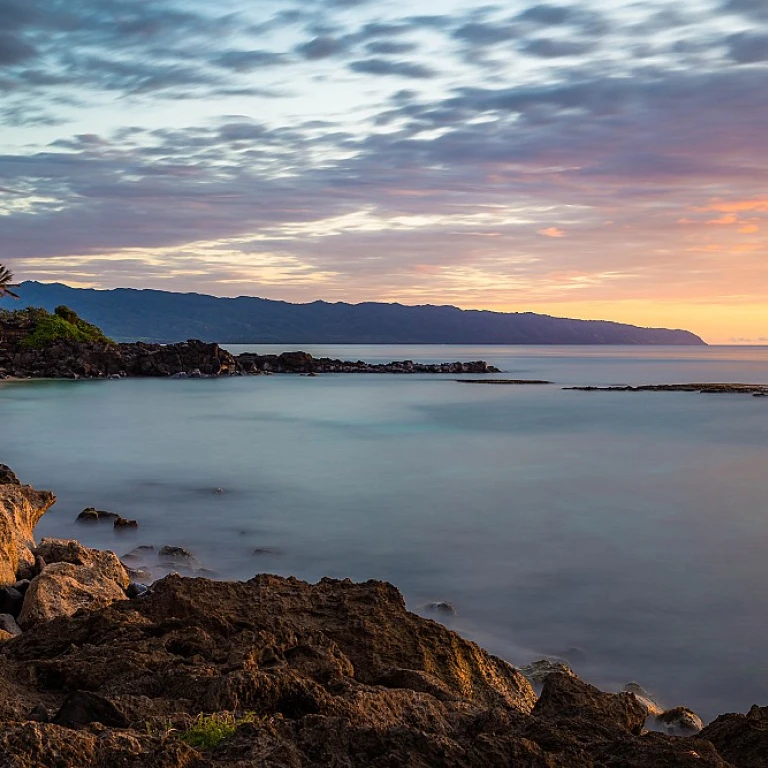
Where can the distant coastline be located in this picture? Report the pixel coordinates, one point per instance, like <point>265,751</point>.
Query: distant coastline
<point>165,317</point>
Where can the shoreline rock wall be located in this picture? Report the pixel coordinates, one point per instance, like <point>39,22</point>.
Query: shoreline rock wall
<point>73,360</point>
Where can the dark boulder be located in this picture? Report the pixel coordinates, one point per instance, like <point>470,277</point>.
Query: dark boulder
<point>83,707</point>
<point>11,600</point>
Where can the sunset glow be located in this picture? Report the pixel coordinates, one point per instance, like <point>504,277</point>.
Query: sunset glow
<point>599,159</point>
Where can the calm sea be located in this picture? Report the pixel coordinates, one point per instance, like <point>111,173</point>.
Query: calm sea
<point>626,532</point>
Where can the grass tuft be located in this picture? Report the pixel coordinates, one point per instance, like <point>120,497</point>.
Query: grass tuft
<point>209,730</point>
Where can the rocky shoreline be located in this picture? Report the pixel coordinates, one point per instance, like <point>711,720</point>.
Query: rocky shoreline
<point>189,359</point>
<point>100,672</point>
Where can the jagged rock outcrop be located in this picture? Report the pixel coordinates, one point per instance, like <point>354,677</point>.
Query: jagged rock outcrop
<point>741,739</point>
<point>333,674</point>
<point>21,506</point>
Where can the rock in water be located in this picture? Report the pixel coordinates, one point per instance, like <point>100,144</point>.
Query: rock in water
<point>135,589</point>
<point>652,708</point>
<point>82,707</point>
<point>173,555</point>
<point>538,671</point>
<point>21,506</point>
<point>679,721</point>
<point>93,515</point>
<point>443,607</point>
<point>122,523</point>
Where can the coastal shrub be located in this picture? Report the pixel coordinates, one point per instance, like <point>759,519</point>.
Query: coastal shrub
<point>63,325</point>
<point>209,730</point>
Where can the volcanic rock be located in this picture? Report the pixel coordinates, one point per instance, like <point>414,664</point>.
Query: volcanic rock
<point>21,506</point>
<point>741,739</point>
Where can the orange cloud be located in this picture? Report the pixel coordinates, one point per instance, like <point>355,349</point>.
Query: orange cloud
<point>737,206</point>
<point>725,219</point>
<point>551,232</point>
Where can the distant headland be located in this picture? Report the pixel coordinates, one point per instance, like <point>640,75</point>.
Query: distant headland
<point>165,317</point>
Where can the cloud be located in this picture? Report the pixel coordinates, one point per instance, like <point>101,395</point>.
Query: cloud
<point>550,49</point>
<point>389,48</point>
<point>551,232</point>
<point>748,48</point>
<point>322,47</point>
<point>395,68</point>
<point>249,61</point>
<point>14,49</point>
<point>756,9</point>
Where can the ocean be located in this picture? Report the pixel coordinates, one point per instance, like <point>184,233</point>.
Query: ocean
<point>625,532</point>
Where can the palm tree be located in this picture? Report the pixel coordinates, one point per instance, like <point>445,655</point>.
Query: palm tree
<point>6,283</point>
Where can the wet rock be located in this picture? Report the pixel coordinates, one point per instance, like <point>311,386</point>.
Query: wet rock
<point>21,506</point>
<point>93,515</point>
<point>8,624</point>
<point>82,707</point>
<point>679,721</point>
<point>136,589</point>
<point>741,739</point>
<point>122,523</point>
<point>652,708</point>
<point>538,671</point>
<point>565,697</point>
<point>441,607</point>
<point>11,600</point>
<point>174,555</point>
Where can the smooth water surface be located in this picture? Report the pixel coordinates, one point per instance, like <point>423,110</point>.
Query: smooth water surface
<point>625,531</point>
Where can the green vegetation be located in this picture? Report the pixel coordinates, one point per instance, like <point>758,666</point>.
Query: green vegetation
<point>63,325</point>
<point>209,730</point>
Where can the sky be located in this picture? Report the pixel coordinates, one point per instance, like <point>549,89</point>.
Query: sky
<point>602,159</point>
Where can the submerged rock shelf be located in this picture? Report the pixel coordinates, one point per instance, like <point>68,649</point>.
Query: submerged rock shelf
<point>510,382</point>
<point>276,672</point>
<point>758,390</point>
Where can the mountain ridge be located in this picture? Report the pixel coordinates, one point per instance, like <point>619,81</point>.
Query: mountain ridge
<point>165,316</point>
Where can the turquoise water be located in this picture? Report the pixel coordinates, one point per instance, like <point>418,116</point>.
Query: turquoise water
<point>632,528</point>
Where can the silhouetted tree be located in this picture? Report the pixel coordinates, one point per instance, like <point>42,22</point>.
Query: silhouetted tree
<point>6,283</point>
